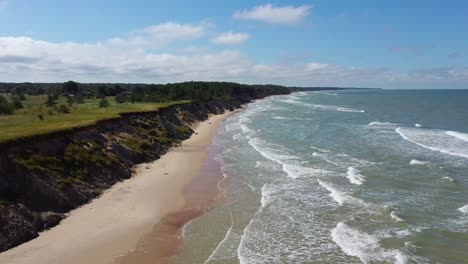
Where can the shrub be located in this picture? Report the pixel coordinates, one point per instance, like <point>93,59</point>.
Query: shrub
<point>63,184</point>
<point>38,162</point>
<point>121,98</point>
<point>85,157</point>
<point>51,100</point>
<point>163,140</point>
<point>183,129</point>
<point>5,107</point>
<point>17,104</point>
<point>104,103</point>
<point>79,99</point>
<point>70,100</point>
<point>64,109</point>
<point>40,117</point>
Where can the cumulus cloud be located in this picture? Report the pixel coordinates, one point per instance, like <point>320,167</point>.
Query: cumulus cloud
<point>162,34</point>
<point>269,13</point>
<point>230,38</point>
<point>135,59</point>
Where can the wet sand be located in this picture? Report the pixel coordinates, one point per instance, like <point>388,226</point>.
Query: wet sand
<point>140,215</point>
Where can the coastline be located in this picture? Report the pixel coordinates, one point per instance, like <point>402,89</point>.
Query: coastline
<point>114,224</point>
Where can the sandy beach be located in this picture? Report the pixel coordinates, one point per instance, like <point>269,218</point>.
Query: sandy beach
<point>114,224</point>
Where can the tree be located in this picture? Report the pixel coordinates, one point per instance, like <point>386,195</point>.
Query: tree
<point>51,100</point>
<point>101,92</point>
<point>64,109</point>
<point>104,103</point>
<point>79,99</point>
<point>70,87</point>
<point>5,107</point>
<point>70,100</point>
<point>118,89</point>
<point>16,102</point>
<point>121,98</point>
<point>21,96</point>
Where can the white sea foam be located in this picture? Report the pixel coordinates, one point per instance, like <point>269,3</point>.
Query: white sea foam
<point>377,123</point>
<point>400,258</point>
<point>464,209</point>
<point>436,140</point>
<point>290,164</point>
<point>322,107</point>
<point>418,162</point>
<point>321,149</point>
<point>281,118</point>
<point>395,217</point>
<point>354,176</point>
<point>447,178</point>
<point>359,244</point>
<point>458,135</point>
<point>246,129</point>
<point>325,93</point>
<point>338,196</point>
<point>237,136</point>
<point>417,125</point>
<point>228,233</point>
<point>344,109</point>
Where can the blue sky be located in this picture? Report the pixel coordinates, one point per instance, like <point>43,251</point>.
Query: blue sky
<point>390,44</point>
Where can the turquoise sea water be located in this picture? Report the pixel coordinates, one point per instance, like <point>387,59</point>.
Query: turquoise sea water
<point>340,177</point>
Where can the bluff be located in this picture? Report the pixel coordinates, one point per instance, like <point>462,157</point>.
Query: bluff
<point>46,176</point>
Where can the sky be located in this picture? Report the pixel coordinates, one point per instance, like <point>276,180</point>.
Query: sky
<point>366,43</point>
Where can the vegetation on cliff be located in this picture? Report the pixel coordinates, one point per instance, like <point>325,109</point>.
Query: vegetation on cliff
<point>48,175</point>
<point>34,109</point>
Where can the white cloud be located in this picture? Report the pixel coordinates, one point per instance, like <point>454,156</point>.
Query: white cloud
<point>162,34</point>
<point>229,38</point>
<point>136,60</point>
<point>275,14</point>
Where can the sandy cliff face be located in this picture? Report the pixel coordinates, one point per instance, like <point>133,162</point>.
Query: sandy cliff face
<point>43,177</point>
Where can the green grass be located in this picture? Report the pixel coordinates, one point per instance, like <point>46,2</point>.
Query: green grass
<point>25,122</point>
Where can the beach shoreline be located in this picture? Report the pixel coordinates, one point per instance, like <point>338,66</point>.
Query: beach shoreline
<point>116,223</point>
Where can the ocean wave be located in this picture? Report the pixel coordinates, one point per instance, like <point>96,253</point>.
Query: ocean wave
<point>395,217</point>
<point>290,164</point>
<point>436,140</point>
<point>418,162</point>
<point>344,109</point>
<point>417,125</point>
<point>321,149</point>
<point>361,245</point>
<point>340,197</point>
<point>237,136</point>
<point>326,93</point>
<point>322,107</point>
<point>464,209</point>
<point>354,176</point>
<point>458,135</point>
<point>400,258</point>
<point>447,178</point>
<point>281,118</point>
<point>377,123</point>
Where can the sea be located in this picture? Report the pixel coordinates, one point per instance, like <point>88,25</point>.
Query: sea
<point>353,176</point>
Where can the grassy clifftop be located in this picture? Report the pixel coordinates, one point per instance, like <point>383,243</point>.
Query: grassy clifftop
<point>27,121</point>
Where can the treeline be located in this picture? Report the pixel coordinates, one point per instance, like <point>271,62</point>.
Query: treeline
<point>146,92</point>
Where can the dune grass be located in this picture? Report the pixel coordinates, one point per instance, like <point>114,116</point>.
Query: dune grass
<point>26,122</point>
